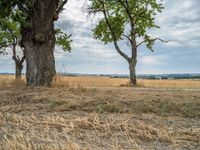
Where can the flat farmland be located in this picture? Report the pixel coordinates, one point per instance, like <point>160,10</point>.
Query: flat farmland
<point>100,113</point>
<point>90,81</point>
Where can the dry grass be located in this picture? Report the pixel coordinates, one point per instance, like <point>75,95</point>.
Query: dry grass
<point>9,81</point>
<point>121,82</point>
<point>71,116</point>
<point>94,131</point>
<point>62,81</point>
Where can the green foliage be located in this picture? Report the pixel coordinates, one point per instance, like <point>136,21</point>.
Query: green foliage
<point>136,16</point>
<point>103,33</point>
<point>18,16</point>
<point>149,42</point>
<point>18,10</point>
<point>9,32</point>
<point>6,7</point>
<point>25,6</point>
<point>63,40</point>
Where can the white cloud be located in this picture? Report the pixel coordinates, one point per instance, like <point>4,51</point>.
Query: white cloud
<point>173,44</point>
<point>153,60</point>
<point>150,60</point>
<point>93,69</point>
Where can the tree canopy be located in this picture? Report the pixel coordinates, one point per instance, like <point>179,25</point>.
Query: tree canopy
<point>10,31</point>
<point>135,15</point>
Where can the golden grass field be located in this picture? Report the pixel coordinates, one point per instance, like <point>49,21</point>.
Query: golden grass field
<point>111,82</point>
<point>99,113</point>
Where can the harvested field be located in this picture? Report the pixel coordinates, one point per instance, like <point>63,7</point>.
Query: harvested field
<point>90,81</point>
<point>75,117</point>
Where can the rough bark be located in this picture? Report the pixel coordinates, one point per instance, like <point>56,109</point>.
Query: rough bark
<point>132,69</point>
<point>18,62</point>
<point>133,60</point>
<point>39,43</point>
<point>18,71</point>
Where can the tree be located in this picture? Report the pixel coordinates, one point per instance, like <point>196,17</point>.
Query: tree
<point>10,38</point>
<point>38,36</point>
<point>126,20</point>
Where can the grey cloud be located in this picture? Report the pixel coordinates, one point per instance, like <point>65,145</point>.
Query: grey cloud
<point>179,22</point>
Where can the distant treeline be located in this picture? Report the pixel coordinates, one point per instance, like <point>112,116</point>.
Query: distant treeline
<point>7,74</point>
<point>162,77</point>
<point>150,77</point>
<point>169,77</point>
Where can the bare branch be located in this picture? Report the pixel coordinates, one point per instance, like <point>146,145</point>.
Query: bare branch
<point>61,7</point>
<point>141,43</point>
<point>153,40</point>
<point>22,60</point>
<point>161,40</point>
<point>128,38</point>
<point>23,57</point>
<point>18,57</point>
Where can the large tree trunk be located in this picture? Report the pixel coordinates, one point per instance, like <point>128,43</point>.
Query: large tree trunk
<point>39,43</point>
<point>132,69</point>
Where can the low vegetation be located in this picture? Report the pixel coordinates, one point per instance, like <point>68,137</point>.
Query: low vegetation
<point>70,116</point>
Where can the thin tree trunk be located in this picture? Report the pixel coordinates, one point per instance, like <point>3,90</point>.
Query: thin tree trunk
<point>18,63</point>
<point>39,43</point>
<point>18,71</point>
<point>132,69</point>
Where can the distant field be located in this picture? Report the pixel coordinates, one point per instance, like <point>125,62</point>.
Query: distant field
<point>116,82</point>
<point>113,82</point>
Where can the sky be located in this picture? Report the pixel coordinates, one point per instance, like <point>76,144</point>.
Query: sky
<point>179,23</point>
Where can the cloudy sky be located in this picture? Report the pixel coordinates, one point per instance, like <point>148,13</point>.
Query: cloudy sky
<point>179,22</point>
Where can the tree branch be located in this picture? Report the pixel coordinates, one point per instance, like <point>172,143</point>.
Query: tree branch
<point>14,53</point>
<point>153,41</point>
<point>113,34</point>
<point>132,25</point>
<point>5,45</point>
<point>61,6</point>
<point>22,8</point>
<point>139,14</point>
<point>127,10</point>
<point>23,57</point>
<point>13,36</point>
<point>128,38</point>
